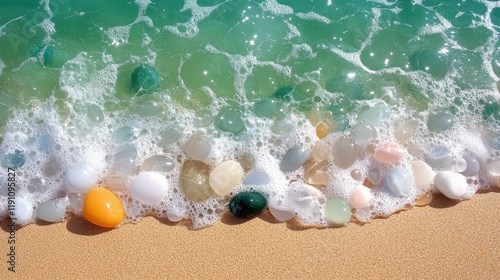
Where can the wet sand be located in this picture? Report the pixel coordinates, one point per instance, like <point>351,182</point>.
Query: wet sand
<point>443,240</point>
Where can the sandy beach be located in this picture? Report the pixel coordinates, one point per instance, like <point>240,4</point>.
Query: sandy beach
<point>443,240</point>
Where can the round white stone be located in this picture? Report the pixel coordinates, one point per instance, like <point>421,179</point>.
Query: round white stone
<point>52,210</point>
<point>149,187</point>
<point>423,175</point>
<point>453,185</point>
<point>23,211</point>
<point>225,176</point>
<point>360,197</point>
<point>80,178</point>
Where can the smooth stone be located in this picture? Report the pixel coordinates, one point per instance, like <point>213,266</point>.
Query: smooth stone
<point>122,135</point>
<point>197,147</point>
<point>103,208</point>
<point>422,174</point>
<point>194,180</point>
<point>117,182</point>
<point>51,167</point>
<point>356,174</point>
<point>145,80</point>
<point>345,152</point>
<point>340,123</point>
<point>440,121</point>
<point>425,199</point>
<point>169,135</point>
<point>248,160</point>
<point>159,163</point>
<point>317,173</point>
<point>174,218</point>
<point>124,161</point>
<point>375,115</point>
<point>472,168</point>
<point>14,160</point>
<point>493,167</point>
<point>322,130</point>
<point>405,130</point>
<point>282,127</point>
<point>52,210</point>
<point>398,180</point>
<point>75,202</point>
<point>230,121</point>
<point>360,197</point>
<point>337,210</point>
<point>265,108</point>
<point>320,151</point>
<point>374,176</point>
<point>54,58</point>
<point>459,165</point>
<point>429,62</point>
<point>363,134</point>
<point>225,176</point>
<point>306,201</point>
<point>149,187</point>
<point>294,159</point>
<point>439,157</point>
<point>453,185</point>
<point>80,178</point>
<point>281,215</point>
<point>259,178</point>
<point>389,153</point>
<point>23,211</point>
<point>247,204</point>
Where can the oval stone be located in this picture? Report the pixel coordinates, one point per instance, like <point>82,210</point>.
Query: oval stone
<point>360,197</point>
<point>158,163</point>
<point>149,187</point>
<point>145,80</point>
<point>197,147</point>
<point>103,208</point>
<point>337,210</point>
<point>472,168</point>
<point>493,167</point>
<point>23,211</point>
<point>80,178</point>
<point>363,134</point>
<point>422,174</point>
<point>247,204</point>
<point>439,157</point>
<point>398,180</point>
<point>389,153</point>
<point>257,177</point>
<point>52,210</point>
<point>453,185</point>
<point>14,160</point>
<point>294,159</point>
<point>230,121</point>
<point>194,180</point>
<point>225,176</point>
<point>440,121</point>
<point>375,115</point>
<point>345,152</point>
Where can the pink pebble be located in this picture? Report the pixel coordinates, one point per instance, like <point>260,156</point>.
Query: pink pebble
<point>389,152</point>
<point>360,197</point>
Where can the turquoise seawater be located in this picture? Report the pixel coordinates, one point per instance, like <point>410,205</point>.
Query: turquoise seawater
<point>319,105</point>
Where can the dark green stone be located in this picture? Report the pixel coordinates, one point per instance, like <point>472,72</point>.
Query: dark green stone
<point>430,62</point>
<point>54,58</point>
<point>145,79</point>
<point>247,204</point>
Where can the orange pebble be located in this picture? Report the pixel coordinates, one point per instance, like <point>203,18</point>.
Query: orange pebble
<point>322,130</point>
<point>103,208</point>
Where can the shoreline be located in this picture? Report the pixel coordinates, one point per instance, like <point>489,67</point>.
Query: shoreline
<point>445,239</point>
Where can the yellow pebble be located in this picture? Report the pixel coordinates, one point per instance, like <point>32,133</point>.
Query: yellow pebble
<point>322,130</point>
<point>103,208</point>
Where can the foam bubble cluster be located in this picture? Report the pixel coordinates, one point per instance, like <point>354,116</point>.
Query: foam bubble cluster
<point>321,112</point>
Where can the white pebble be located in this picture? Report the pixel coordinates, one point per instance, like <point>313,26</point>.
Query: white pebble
<point>493,167</point>
<point>149,187</point>
<point>281,215</point>
<point>225,176</point>
<point>360,197</point>
<point>52,210</point>
<point>306,200</point>
<point>423,174</point>
<point>22,212</point>
<point>453,185</point>
<point>80,178</point>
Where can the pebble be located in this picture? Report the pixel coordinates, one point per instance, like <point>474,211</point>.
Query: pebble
<point>360,197</point>
<point>225,176</point>
<point>356,174</point>
<point>265,108</point>
<point>306,201</point>
<point>294,159</point>
<point>256,177</point>
<point>459,165</point>
<point>14,160</point>
<point>124,161</point>
<point>453,185</point>
<point>374,176</point>
<point>145,80</point>
<point>248,160</point>
<point>398,180</point>
<point>389,153</point>
<point>194,180</point>
<point>322,130</point>
<point>440,122</point>
<point>425,199</point>
<point>230,120</point>
<point>493,167</point>
<point>405,130</point>
<point>247,204</point>
<point>122,135</point>
<point>439,157</point>
<point>281,215</point>
<point>197,147</point>
<point>345,152</point>
<point>422,174</point>
<point>317,173</point>
<point>149,187</point>
<point>320,151</point>
<point>23,211</point>
<point>158,163</point>
<point>337,210</point>
<point>363,134</point>
<point>103,208</point>
<point>472,166</point>
<point>375,115</point>
<point>80,178</point>
<point>52,210</point>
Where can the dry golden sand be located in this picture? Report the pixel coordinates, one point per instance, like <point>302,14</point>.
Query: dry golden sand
<point>445,240</point>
